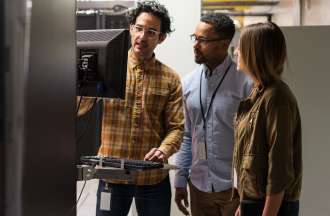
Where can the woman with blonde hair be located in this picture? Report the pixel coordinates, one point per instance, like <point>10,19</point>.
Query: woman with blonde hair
<point>267,154</point>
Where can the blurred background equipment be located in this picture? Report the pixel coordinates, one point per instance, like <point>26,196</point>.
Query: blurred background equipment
<point>102,14</point>
<point>241,8</point>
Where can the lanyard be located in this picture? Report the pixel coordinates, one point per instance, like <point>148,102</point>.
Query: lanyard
<point>204,115</point>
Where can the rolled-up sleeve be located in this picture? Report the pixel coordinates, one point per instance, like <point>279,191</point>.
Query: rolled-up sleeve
<point>280,137</point>
<point>174,120</point>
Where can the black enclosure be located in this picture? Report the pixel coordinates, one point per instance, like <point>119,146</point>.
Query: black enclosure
<point>2,105</point>
<point>102,62</point>
<point>88,21</point>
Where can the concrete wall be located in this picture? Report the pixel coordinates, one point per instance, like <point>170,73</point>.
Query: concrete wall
<point>316,12</point>
<point>308,76</point>
<point>177,51</point>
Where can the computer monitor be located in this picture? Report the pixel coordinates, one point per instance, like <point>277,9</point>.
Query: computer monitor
<point>102,62</point>
<point>87,21</point>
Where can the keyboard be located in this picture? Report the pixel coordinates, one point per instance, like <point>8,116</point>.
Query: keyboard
<point>128,164</point>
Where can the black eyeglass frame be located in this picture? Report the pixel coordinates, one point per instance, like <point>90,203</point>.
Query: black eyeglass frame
<point>195,39</point>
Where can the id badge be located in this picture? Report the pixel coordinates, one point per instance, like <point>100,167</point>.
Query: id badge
<point>235,180</point>
<point>105,199</point>
<point>201,148</point>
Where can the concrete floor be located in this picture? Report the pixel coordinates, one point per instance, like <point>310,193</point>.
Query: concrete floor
<point>87,203</point>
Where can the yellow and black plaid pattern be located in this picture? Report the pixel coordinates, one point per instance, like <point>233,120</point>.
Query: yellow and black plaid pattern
<point>151,116</point>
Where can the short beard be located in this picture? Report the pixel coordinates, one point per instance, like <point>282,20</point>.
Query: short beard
<point>199,60</point>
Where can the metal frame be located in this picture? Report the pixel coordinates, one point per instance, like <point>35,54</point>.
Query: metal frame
<point>40,172</point>
<point>267,15</point>
<point>2,107</point>
<point>17,40</point>
<point>104,5</point>
<point>230,8</point>
<point>88,172</point>
<point>239,3</point>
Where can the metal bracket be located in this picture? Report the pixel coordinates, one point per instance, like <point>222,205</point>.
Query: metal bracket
<point>86,172</point>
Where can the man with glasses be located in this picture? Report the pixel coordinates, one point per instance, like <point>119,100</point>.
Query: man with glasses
<point>211,97</point>
<point>147,125</point>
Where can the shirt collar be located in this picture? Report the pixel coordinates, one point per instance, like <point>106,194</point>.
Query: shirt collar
<point>137,63</point>
<point>220,69</point>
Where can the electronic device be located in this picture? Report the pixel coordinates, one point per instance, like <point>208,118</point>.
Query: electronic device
<point>87,21</point>
<point>115,168</point>
<point>102,62</point>
<point>128,164</point>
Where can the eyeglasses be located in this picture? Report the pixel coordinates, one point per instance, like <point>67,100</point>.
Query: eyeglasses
<point>202,40</point>
<point>151,33</point>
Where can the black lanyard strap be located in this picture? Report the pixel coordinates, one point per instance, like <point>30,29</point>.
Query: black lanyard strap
<point>213,95</point>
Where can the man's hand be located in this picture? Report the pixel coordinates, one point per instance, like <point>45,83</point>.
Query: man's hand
<point>155,155</point>
<point>181,194</point>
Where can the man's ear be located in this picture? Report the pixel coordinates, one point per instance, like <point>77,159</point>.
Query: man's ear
<point>130,29</point>
<point>226,44</point>
<point>162,37</point>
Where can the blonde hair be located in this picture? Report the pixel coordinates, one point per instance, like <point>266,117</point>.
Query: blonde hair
<point>263,51</point>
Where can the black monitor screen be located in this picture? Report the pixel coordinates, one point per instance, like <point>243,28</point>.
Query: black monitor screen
<point>87,21</point>
<point>102,62</point>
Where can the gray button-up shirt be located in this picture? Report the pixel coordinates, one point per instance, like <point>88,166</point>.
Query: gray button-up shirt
<point>214,172</point>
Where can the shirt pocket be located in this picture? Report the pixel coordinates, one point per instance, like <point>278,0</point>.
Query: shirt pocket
<point>253,173</point>
<point>226,109</point>
<point>156,98</point>
<point>250,129</point>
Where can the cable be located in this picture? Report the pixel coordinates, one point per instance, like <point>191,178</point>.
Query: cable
<point>83,90</point>
<point>88,121</point>
<point>76,203</point>
<point>81,85</point>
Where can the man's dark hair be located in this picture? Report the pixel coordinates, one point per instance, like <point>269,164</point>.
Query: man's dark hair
<point>223,25</point>
<point>155,9</point>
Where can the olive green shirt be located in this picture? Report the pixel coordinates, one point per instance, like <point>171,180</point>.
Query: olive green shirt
<point>267,154</point>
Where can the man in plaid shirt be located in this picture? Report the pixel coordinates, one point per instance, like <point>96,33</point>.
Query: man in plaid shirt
<point>148,124</point>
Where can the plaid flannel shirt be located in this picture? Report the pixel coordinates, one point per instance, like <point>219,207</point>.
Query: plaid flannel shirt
<point>151,116</point>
